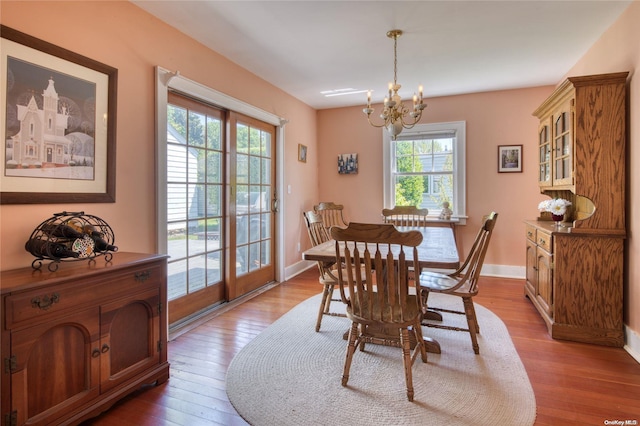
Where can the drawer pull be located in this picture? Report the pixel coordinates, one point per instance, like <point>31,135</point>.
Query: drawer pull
<point>46,301</point>
<point>542,241</point>
<point>530,234</point>
<point>105,348</point>
<point>142,276</point>
<point>95,353</point>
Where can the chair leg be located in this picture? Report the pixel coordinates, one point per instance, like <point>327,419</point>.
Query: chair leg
<point>326,296</point>
<point>472,323</point>
<point>351,348</point>
<point>406,361</point>
<point>327,302</point>
<point>417,329</point>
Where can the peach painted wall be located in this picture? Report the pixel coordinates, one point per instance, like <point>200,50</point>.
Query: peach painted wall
<point>619,50</point>
<point>123,36</point>
<point>492,119</point>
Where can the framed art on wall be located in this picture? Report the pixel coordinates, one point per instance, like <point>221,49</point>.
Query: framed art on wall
<point>59,110</point>
<point>348,164</point>
<point>509,158</point>
<point>302,153</point>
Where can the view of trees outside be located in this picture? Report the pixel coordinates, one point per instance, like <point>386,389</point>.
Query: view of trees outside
<point>424,173</point>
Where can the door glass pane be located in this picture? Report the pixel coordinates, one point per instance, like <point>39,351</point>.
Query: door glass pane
<point>242,256</point>
<point>214,133</point>
<point>254,256</point>
<point>177,279</point>
<point>196,129</point>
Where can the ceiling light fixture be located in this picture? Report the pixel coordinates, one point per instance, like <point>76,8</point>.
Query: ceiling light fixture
<point>395,114</point>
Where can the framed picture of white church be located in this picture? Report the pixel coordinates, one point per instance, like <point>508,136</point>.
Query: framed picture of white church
<point>58,110</point>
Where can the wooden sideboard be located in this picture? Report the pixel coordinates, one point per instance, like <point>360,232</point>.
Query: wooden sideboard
<point>575,272</point>
<point>76,340</point>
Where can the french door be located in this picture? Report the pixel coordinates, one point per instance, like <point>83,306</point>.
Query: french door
<point>220,192</point>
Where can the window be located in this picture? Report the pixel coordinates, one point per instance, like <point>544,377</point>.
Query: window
<point>425,167</point>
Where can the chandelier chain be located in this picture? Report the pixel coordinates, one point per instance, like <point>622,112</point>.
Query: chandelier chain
<point>395,60</point>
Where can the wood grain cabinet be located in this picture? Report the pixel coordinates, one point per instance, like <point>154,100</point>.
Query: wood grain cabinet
<point>575,272</point>
<point>77,340</point>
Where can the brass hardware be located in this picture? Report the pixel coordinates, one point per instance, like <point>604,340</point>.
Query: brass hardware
<point>46,301</point>
<point>159,346</point>
<point>142,276</point>
<point>95,353</point>
<point>10,364</point>
<point>105,348</point>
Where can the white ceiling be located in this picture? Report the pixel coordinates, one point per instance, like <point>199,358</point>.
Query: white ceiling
<point>450,47</point>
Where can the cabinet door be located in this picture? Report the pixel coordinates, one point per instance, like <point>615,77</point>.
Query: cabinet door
<point>563,147</point>
<point>532,270</point>
<point>544,294</point>
<point>544,153</point>
<point>130,337</point>
<point>56,368</point>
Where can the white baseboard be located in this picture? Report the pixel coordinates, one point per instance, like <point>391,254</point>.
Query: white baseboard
<point>632,345</point>
<point>297,268</point>
<point>504,271</point>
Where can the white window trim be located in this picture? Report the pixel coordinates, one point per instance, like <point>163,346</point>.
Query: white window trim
<point>166,80</point>
<point>459,161</point>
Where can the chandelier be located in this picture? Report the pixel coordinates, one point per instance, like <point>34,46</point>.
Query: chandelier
<point>396,115</point>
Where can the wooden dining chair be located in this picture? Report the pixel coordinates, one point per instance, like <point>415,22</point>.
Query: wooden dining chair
<point>406,216</point>
<point>318,234</point>
<point>379,294</point>
<point>331,214</point>
<point>461,283</point>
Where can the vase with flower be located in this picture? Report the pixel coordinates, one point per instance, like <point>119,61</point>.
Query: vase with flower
<point>557,207</point>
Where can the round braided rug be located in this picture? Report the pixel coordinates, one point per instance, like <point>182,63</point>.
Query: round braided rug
<point>291,375</point>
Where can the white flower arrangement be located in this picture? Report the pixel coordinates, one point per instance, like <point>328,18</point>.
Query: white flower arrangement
<point>557,206</point>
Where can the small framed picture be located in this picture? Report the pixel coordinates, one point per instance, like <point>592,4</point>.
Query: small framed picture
<point>302,153</point>
<point>347,164</point>
<point>509,158</point>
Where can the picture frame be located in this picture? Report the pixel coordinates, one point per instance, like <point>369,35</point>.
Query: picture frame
<point>59,136</point>
<point>509,158</point>
<point>348,164</point>
<point>302,153</point>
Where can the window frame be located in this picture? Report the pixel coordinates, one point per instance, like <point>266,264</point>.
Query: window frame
<point>458,128</point>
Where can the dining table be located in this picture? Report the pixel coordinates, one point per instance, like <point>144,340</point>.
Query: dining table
<point>437,250</point>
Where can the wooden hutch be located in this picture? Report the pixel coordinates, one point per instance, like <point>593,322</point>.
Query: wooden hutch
<point>575,271</point>
<point>76,340</point>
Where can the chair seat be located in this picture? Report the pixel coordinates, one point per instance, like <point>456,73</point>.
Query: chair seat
<point>412,312</point>
<point>436,282</point>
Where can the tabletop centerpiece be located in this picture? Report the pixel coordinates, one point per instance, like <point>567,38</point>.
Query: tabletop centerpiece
<point>557,207</point>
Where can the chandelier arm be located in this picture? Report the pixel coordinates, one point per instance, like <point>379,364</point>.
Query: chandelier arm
<point>386,122</point>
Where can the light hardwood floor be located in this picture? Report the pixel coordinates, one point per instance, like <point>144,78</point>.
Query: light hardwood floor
<point>574,383</point>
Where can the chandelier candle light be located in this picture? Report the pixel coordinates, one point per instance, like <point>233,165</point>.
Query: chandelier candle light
<point>395,114</point>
